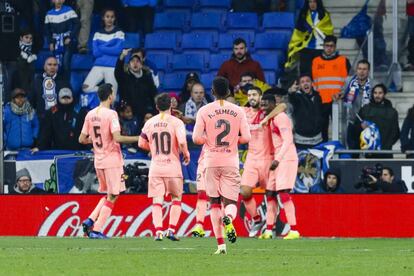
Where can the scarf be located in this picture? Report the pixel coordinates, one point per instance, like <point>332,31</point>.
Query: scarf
<point>25,109</point>
<point>49,91</point>
<point>191,108</point>
<point>353,90</point>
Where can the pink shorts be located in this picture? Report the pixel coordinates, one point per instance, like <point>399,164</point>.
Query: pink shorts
<point>256,172</point>
<point>111,180</point>
<point>223,181</point>
<point>201,182</point>
<point>284,177</point>
<point>163,186</point>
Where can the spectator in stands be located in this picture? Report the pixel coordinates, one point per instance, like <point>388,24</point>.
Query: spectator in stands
<point>129,123</point>
<point>139,15</point>
<point>107,45</point>
<point>46,86</point>
<point>314,23</point>
<point>329,71</point>
<point>239,63</point>
<point>152,67</point>
<point>190,79</point>
<point>21,126</point>
<point>356,93</point>
<point>136,85</point>
<point>193,105</point>
<point>331,183</point>
<point>307,113</point>
<point>407,133</point>
<point>248,79</point>
<point>63,124</point>
<point>388,183</point>
<point>24,183</point>
<point>61,29</point>
<point>25,72</point>
<point>85,8</point>
<point>381,112</point>
<point>410,14</point>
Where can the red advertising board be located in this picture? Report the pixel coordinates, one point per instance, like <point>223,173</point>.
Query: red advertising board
<point>317,215</point>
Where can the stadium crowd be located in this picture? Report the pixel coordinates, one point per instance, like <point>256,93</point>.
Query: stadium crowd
<point>42,111</point>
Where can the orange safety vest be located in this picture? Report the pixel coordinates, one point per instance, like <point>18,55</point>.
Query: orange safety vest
<point>329,76</point>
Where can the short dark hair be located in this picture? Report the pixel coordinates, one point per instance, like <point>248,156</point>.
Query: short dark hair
<point>138,50</point>
<point>247,74</point>
<point>389,170</point>
<point>364,61</point>
<point>305,75</point>
<point>330,38</point>
<point>382,86</point>
<point>221,87</point>
<point>104,91</point>
<point>238,41</point>
<point>26,31</point>
<point>256,88</point>
<point>269,97</point>
<point>163,101</point>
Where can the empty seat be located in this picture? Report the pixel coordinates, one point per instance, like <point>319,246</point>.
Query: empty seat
<point>76,80</point>
<point>215,5</point>
<point>161,40</point>
<point>242,20</point>
<point>197,41</point>
<point>41,58</point>
<point>82,62</point>
<point>206,20</point>
<point>225,41</point>
<point>132,40</point>
<point>278,20</point>
<point>216,60</point>
<point>188,62</point>
<point>179,3</point>
<point>268,62</point>
<point>207,81</point>
<point>174,81</point>
<point>171,20</point>
<point>161,60</point>
<point>272,40</point>
<point>270,77</point>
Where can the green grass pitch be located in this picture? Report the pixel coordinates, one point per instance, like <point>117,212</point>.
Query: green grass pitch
<point>191,256</point>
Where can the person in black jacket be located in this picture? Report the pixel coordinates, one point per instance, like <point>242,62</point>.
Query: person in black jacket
<point>45,88</point>
<point>136,85</point>
<point>388,183</point>
<point>307,117</point>
<point>63,124</point>
<point>407,133</point>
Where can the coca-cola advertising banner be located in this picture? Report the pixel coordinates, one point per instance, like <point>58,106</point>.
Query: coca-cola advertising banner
<point>317,215</point>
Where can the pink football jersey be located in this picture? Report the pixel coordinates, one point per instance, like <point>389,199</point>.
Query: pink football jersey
<point>282,137</point>
<point>260,144</point>
<point>100,123</point>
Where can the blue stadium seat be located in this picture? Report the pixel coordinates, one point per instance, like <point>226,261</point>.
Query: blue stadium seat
<point>207,81</point>
<point>188,62</point>
<point>179,3</point>
<point>173,81</point>
<point>280,54</point>
<point>272,40</point>
<point>96,23</point>
<point>225,41</point>
<point>41,58</point>
<point>82,62</point>
<point>197,41</point>
<point>215,5</point>
<point>268,62</point>
<point>242,20</point>
<point>278,21</point>
<point>161,41</point>
<point>206,20</point>
<point>270,77</point>
<point>171,21</point>
<point>76,80</point>
<point>161,60</point>
<point>132,40</point>
<point>216,60</point>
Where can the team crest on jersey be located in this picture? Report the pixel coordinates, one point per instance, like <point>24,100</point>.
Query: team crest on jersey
<point>309,172</point>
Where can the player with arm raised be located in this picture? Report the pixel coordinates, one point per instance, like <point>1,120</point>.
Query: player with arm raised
<point>259,157</point>
<point>165,137</point>
<point>102,129</point>
<point>218,125</point>
<point>284,169</point>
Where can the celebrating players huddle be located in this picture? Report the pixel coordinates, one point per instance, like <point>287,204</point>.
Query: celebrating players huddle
<point>220,127</point>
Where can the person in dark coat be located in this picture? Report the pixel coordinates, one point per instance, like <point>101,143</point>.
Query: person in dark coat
<point>136,85</point>
<point>331,183</point>
<point>407,133</point>
<point>24,184</point>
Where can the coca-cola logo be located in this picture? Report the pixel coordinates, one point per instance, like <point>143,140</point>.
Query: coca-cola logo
<point>66,221</point>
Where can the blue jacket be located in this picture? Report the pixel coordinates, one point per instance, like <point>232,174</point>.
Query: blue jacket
<point>139,3</point>
<point>107,46</point>
<point>64,22</point>
<point>20,131</point>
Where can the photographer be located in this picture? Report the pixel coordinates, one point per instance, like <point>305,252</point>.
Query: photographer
<point>387,183</point>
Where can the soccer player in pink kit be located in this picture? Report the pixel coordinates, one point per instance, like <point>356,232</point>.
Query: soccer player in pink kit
<point>259,157</point>
<point>102,129</point>
<point>218,125</point>
<point>165,137</point>
<point>201,206</point>
<point>284,169</point>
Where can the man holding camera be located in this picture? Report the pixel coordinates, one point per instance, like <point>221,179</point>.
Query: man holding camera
<point>387,183</point>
